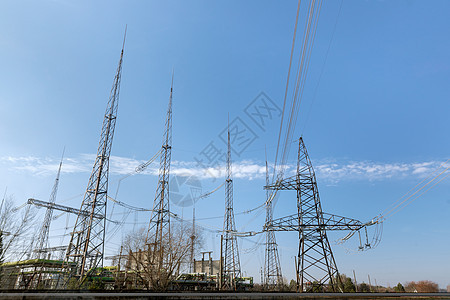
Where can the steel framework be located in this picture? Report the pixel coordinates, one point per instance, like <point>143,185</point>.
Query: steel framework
<point>50,205</point>
<point>42,241</point>
<point>272,268</point>
<point>316,266</point>
<point>193,237</point>
<point>87,240</point>
<point>159,226</point>
<point>42,245</point>
<point>231,263</point>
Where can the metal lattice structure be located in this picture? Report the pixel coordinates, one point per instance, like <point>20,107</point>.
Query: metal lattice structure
<point>316,267</point>
<point>87,240</point>
<point>231,263</point>
<point>272,268</point>
<point>42,245</point>
<point>42,241</point>
<point>193,237</point>
<point>159,226</point>
<point>63,208</point>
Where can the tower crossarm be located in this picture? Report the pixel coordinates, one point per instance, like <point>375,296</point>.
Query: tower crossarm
<point>68,209</point>
<point>290,183</point>
<point>50,249</point>
<point>330,222</point>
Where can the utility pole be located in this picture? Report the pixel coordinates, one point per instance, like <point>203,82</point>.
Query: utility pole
<point>118,268</point>
<point>159,226</point>
<point>221,263</point>
<point>2,233</point>
<point>87,242</point>
<point>231,264</point>
<point>297,278</point>
<point>356,283</point>
<point>261,273</point>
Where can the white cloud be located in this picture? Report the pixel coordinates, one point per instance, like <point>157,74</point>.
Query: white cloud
<point>366,170</point>
<point>330,172</point>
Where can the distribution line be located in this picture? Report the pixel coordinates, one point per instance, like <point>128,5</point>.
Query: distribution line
<point>322,70</point>
<point>385,217</point>
<point>396,204</point>
<point>137,170</point>
<point>398,207</point>
<point>287,87</point>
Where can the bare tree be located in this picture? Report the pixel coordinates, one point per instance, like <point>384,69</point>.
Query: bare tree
<point>423,286</point>
<point>15,223</point>
<point>143,256</point>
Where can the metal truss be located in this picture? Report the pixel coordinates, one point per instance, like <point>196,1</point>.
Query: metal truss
<point>51,205</point>
<point>159,226</point>
<point>231,263</point>
<point>86,246</point>
<point>316,267</point>
<point>330,222</point>
<point>272,267</point>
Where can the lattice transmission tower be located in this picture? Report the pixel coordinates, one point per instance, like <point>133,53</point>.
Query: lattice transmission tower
<point>231,263</point>
<point>316,267</point>
<point>272,268</point>
<point>158,237</point>
<point>84,255</point>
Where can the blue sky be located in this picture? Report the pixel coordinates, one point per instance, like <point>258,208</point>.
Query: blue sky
<point>373,114</point>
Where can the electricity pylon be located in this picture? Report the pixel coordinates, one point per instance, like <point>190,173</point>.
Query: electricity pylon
<point>316,267</point>
<point>272,269</point>
<point>84,254</point>
<point>231,263</point>
<point>159,227</point>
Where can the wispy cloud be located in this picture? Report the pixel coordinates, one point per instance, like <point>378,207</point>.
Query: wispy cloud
<point>40,165</point>
<point>329,172</point>
<point>334,172</point>
<point>243,169</point>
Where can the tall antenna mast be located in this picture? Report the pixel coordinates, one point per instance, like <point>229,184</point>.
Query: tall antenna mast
<point>159,226</point>
<point>42,244</point>
<point>42,241</point>
<point>231,264</point>
<point>191,262</point>
<point>87,241</point>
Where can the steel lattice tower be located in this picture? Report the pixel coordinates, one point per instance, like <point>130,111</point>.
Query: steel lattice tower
<point>86,246</point>
<point>272,269</point>
<point>193,237</point>
<point>316,268</point>
<point>42,241</point>
<point>231,263</point>
<point>314,253</point>
<point>159,226</point>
